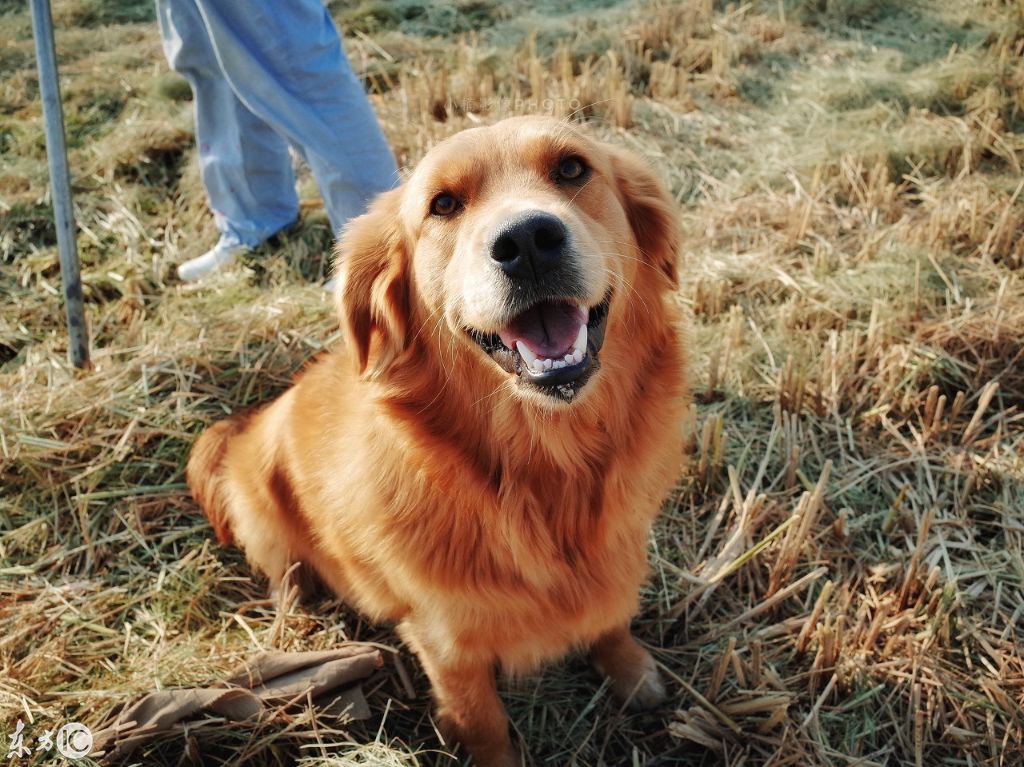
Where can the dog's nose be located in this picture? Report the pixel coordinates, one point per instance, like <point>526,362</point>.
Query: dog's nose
<point>530,244</point>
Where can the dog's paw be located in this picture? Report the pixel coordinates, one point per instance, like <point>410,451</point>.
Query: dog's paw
<point>485,752</point>
<point>646,688</point>
<point>640,686</point>
<point>650,692</point>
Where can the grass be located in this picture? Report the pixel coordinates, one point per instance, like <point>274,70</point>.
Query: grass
<point>839,578</point>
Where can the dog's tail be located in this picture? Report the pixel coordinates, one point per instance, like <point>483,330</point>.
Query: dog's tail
<point>205,477</point>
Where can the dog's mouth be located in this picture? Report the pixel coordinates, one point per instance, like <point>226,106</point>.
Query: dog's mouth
<point>552,346</point>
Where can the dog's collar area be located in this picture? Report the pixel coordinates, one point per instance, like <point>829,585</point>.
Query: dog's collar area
<point>562,375</point>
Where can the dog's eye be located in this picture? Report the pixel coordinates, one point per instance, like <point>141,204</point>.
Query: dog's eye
<point>571,169</point>
<point>444,205</point>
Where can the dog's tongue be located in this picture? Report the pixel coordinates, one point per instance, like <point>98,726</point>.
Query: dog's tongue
<point>549,329</point>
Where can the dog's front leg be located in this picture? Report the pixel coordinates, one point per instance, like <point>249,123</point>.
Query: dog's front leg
<point>630,668</point>
<point>469,709</point>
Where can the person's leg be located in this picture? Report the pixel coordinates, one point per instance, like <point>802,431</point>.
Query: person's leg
<point>245,164</point>
<point>285,62</point>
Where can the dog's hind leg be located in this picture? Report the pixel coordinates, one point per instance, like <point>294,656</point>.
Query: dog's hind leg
<point>244,487</point>
<point>205,473</point>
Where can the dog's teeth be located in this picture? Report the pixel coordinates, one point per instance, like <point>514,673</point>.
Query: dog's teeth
<point>580,345</point>
<point>538,365</point>
<point>529,358</point>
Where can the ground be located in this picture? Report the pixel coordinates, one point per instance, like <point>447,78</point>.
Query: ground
<point>838,577</point>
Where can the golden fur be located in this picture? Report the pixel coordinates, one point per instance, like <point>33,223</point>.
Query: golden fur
<point>494,524</point>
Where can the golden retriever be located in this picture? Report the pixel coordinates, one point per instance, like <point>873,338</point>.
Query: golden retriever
<point>482,459</point>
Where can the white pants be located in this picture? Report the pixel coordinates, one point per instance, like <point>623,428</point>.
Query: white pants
<point>265,75</point>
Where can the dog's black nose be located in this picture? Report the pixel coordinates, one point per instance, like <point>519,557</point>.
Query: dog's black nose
<point>530,244</point>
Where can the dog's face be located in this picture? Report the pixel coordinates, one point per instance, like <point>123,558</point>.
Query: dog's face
<point>518,241</point>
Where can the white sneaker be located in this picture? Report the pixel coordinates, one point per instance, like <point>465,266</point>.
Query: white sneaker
<point>220,257</point>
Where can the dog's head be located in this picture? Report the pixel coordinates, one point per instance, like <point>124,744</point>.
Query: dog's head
<point>513,248</point>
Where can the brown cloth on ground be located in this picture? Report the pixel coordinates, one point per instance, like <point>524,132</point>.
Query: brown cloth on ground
<point>267,680</point>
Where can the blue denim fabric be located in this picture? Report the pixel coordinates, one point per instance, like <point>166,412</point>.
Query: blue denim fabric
<point>266,75</point>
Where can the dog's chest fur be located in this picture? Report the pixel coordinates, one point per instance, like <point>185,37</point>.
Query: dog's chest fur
<point>522,549</point>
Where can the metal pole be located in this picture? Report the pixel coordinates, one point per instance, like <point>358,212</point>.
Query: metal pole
<point>60,183</point>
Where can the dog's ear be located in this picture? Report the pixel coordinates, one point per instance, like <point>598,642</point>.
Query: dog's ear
<point>652,213</point>
<point>372,264</point>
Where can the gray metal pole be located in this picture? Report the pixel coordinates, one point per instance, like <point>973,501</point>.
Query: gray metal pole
<point>60,182</point>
